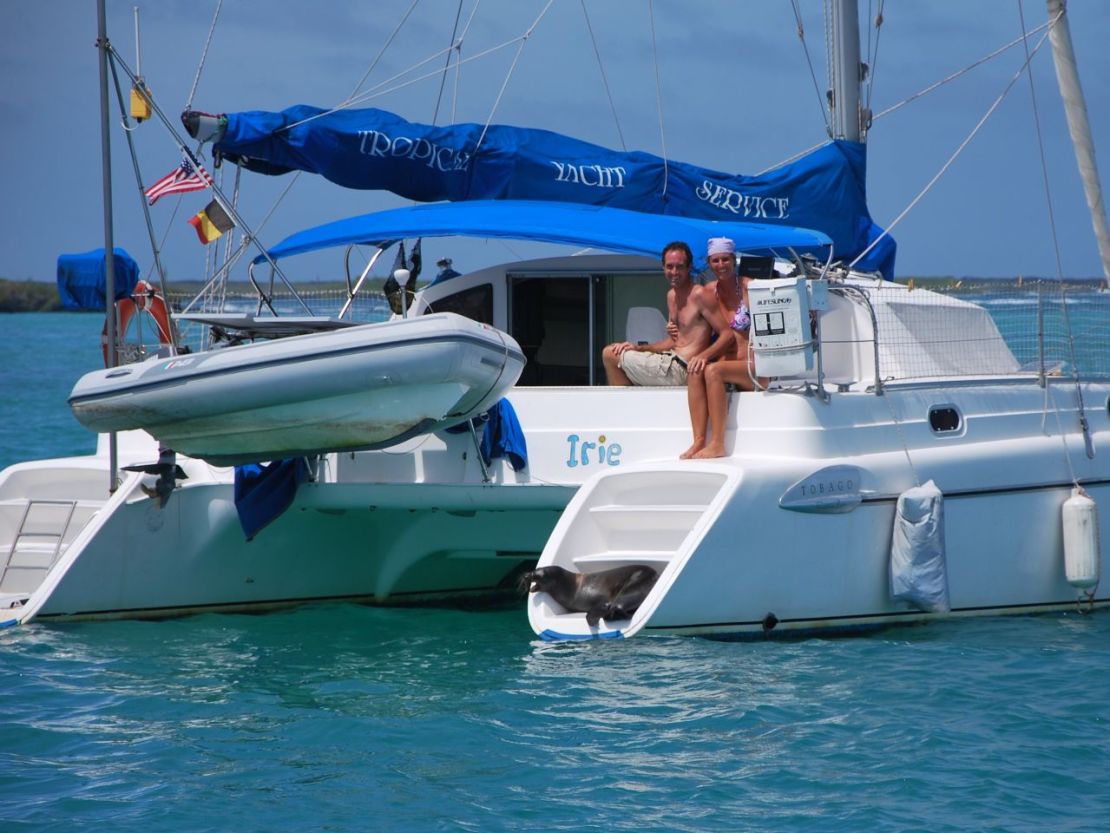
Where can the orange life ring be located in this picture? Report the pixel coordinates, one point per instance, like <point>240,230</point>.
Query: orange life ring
<point>143,297</point>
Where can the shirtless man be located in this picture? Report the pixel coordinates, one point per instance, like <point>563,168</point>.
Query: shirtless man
<point>694,316</point>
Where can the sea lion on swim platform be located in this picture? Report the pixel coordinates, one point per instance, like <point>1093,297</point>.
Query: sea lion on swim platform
<point>608,594</point>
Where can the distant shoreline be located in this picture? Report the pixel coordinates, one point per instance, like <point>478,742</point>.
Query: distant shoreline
<point>42,296</point>
<point>29,296</point>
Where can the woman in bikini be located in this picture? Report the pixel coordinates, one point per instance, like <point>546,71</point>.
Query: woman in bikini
<point>705,386</point>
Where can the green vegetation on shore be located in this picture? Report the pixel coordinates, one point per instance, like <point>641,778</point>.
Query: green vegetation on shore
<point>28,296</point>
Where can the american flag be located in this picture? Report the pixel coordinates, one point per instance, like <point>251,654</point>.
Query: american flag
<point>180,180</point>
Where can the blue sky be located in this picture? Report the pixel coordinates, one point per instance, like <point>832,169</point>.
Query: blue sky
<point>736,89</point>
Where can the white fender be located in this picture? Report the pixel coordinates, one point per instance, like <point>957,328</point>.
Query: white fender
<point>1081,545</point>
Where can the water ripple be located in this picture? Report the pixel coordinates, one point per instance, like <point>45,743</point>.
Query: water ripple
<point>344,718</point>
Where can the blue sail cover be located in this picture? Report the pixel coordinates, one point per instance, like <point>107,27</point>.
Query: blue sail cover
<point>374,149</point>
<point>81,278</point>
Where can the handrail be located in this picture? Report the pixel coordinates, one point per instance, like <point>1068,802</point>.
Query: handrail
<point>846,289</point>
<point>351,293</point>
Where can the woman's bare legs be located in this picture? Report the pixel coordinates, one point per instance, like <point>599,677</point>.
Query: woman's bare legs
<point>699,412</point>
<point>716,377</point>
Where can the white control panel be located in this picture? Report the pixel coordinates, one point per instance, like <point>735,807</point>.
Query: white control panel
<point>781,339</point>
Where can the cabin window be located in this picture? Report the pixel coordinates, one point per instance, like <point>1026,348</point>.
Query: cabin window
<point>944,419</point>
<point>550,318</point>
<point>475,303</point>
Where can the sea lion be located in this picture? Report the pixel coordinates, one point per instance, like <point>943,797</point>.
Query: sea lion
<point>608,594</point>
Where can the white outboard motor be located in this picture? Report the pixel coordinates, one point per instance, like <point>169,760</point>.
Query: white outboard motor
<point>1081,544</point>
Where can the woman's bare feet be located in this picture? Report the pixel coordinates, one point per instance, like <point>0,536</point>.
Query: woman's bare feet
<point>710,452</point>
<point>692,451</point>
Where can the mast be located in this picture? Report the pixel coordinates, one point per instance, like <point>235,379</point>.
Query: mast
<point>845,70</point>
<point>109,259</point>
<point>1076,109</point>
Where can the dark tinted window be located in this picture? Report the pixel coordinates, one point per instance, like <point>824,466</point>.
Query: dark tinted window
<point>475,303</point>
<point>551,323</point>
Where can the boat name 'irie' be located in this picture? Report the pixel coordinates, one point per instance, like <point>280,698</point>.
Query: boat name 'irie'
<point>583,452</point>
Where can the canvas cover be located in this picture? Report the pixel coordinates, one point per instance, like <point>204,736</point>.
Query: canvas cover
<point>374,149</point>
<point>81,278</point>
<point>608,229</point>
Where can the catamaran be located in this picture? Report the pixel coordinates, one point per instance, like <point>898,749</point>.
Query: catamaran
<point>913,458</point>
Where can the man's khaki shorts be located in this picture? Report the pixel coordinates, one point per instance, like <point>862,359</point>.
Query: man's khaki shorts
<point>653,368</point>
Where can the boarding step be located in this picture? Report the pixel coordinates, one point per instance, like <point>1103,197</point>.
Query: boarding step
<point>650,515</point>
<point>596,561</point>
<point>617,513</point>
<point>637,516</point>
<point>44,530</point>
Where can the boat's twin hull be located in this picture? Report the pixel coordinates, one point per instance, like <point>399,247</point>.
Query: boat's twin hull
<point>742,550</point>
<point>192,556</point>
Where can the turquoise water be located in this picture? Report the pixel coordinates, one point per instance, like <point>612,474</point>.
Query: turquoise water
<point>344,718</point>
<point>42,355</point>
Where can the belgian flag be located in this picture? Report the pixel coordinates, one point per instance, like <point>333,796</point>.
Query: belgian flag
<point>211,222</point>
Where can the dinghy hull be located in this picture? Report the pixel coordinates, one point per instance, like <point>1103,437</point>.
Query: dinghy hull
<point>363,387</point>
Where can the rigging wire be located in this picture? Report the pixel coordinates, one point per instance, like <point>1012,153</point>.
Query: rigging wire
<point>931,88</point>
<point>821,101</point>
<point>243,245</point>
<point>193,159</point>
<point>867,57</point>
<point>832,50</point>
<point>125,118</point>
<point>235,191</point>
<point>659,102</point>
<point>1040,148</point>
<point>381,51</point>
<point>157,247</point>
<point>231,258</point>
<point>447,62</point>
<point>873,53</point>
<point>146,209</point>
<point>604,78</point>
<point>958,73</point>
<point>512,68</point>
<point>459,61</point>
<point>951,159</point>
<point>1059,262</point>
<point>380,89</point>
<point>203,56</point>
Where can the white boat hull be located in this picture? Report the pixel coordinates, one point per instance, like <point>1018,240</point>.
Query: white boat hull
<point>741,553</point>
<point>124,556</point>
<point>362,387</point>
<point>421,524</point>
